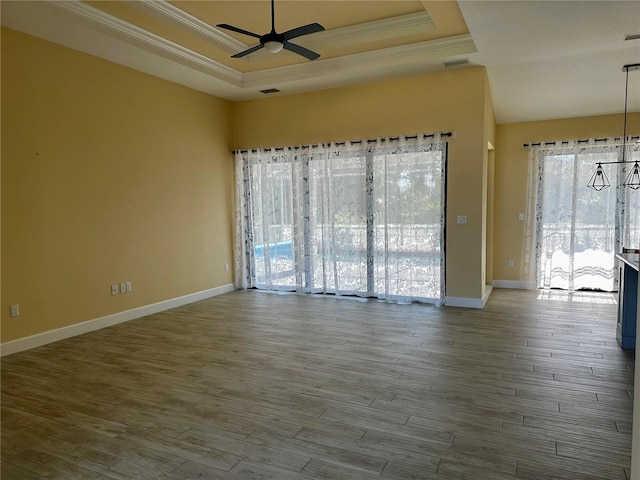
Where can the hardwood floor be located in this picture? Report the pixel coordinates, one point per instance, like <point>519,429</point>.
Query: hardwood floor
<point>254,385</point>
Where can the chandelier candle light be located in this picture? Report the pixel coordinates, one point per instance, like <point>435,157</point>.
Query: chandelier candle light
<point>599,180</point>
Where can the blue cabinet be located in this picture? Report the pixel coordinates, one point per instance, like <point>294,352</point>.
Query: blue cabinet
<point>627,301</point>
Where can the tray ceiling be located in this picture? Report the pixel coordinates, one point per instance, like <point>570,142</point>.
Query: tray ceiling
<point>545,59</point>
<point>180,42</point>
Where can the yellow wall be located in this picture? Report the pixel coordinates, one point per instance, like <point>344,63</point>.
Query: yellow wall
<point>511,175</point>
<point>111,175</point>
<point>487,187</point>
<point>446,101</point>
<point>108,175</point>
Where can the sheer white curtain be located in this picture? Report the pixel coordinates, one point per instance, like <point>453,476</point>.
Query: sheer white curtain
<point>357,218</point>
<point>573,232</point>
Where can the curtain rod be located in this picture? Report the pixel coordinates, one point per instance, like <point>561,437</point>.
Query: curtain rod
<point>371,140</point>
<point>566,142</point>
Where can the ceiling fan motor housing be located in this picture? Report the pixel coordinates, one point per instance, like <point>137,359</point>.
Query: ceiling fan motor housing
<point>272,37</point>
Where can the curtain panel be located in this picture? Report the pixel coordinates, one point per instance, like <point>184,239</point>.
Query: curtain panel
<point>356,218</point>
<point>572,232</point>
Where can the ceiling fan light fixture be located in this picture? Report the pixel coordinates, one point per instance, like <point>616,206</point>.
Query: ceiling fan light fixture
<point>273,46</point>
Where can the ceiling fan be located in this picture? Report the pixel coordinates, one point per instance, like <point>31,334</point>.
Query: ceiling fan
<point>274,42</point>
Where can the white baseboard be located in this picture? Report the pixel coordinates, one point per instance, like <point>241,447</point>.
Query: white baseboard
<point>487,293</point>
<point>517,284</point>
<point>464,302</point>
<point>44,338</point>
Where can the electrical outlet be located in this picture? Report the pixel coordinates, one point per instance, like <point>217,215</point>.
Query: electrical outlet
<point>510,263</point>
<point>226,267</point>
<point>123,287</point>
<point>114,289</point>
<point>128,286</point>
<point>462,219</point>
<point>15,310</point>
<point>521,216</point>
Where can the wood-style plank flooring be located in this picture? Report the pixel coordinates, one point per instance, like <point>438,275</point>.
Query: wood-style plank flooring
<point>254,385</point>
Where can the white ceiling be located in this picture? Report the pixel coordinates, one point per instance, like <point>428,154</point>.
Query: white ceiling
<point>545,59</point>
<point>556,59</point>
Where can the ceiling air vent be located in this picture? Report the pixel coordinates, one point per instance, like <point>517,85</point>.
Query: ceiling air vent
<point>455,63</point>
<point>269,90</point>
<point>632,36</point>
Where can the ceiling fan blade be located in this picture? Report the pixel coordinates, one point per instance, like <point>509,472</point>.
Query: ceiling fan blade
<point>305,52</point>
<point>238,30</point>
<point>304,30</point>
<point>248,51</point>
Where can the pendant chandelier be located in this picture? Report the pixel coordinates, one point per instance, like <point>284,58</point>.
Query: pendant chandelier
<point>599,180</point>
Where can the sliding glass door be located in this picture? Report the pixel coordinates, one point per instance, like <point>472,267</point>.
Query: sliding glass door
<point>337,260</point>
<point>351,219</point>
<point>579,230</point>
<point>272,233</point>
<point>408,224</point>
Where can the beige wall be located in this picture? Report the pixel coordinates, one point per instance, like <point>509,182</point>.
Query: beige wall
<point>447,101</point>
<point>108,175</point>
<point>106,170</point>
<point>488,173</point>
<point>511,175</point>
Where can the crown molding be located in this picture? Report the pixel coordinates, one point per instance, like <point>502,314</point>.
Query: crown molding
<point>79,26</point>
<point>339,37</point>
<point>147,40</point>
<point>372,31</point>
<point>386,28</point>
<point>187,22</point>
<point>382,58</point>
